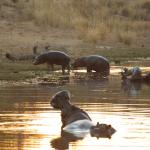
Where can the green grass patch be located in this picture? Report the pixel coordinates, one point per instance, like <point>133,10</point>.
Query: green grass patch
<point>16,71</point>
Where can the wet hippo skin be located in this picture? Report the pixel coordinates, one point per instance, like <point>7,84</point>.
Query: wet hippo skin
<point>75,119</point>
<point>69,112</point>
<point>54,57</point>
<point>93,62</point>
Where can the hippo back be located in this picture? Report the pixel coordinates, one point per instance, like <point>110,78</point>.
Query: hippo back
<point>99,64</point>
<point>79,62</point>
<point>57,57</point>
<point>94,58</point>
<point>53,57</point>
<point>73,115</point>
<point>77,116</point>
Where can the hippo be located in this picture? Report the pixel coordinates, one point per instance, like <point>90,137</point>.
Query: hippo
<point>75,119</point>
<point>135,75</point>
<point>63,142</point>
<point>93,62</point>
<point>54,57</point>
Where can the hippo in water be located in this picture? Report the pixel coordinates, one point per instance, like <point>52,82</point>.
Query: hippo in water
<point>63,142</point>
<point>135,75</point>
<point>54,57</point>
<point>93,62</point>
<point>75,119</point>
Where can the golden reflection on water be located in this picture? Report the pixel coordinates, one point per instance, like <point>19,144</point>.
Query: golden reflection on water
<point>27,122</point>
<point>35,131</point>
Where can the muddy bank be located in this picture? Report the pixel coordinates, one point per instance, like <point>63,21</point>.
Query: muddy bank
<point>55,78</point>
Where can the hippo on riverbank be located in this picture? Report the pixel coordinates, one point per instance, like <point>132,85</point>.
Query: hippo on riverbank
<point>54,57</point>
<point>75,119</point>
<point>93,62</point>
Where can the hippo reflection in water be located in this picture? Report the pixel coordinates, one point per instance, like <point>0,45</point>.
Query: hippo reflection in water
<point>54,57</point>
<point>75,120</point>
<point>93,62</point>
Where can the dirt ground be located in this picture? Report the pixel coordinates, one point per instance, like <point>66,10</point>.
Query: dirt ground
<point>18,35</point>
<point>21,37</point>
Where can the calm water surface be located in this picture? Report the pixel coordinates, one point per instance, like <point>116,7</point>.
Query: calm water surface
<point>28,122</point>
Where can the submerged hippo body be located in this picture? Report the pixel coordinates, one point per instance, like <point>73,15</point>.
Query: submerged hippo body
<point>93,62</point>
<point>54,57</point>
<point>135,75</point>
<point>75,120</point>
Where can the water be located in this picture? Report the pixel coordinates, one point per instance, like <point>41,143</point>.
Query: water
<point>28,122</point>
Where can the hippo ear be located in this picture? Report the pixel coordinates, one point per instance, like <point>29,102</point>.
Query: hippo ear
<point>109,126</point>
<point>67,94</point>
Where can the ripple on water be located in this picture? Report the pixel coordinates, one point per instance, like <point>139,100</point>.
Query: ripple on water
<point>29,122</point>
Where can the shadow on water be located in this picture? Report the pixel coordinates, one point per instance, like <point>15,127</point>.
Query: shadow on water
<point>27,121</point>
<point>62,143</point>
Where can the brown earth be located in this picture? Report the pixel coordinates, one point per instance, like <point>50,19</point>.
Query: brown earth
<point>19,35</point>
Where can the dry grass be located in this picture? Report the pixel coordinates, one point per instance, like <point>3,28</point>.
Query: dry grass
<point>127,37</point>
<point>92,20</point>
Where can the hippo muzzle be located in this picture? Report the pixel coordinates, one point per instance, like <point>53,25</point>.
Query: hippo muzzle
<point>55,103</point>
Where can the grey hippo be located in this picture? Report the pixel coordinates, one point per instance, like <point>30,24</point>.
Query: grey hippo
<point>134,75</point>
<point>93,62</point>
<point>75,119</point>
<point>54,57</point>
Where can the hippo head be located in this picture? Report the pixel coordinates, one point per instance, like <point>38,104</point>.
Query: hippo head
<point>102,130</point>
<point>39,60</point>
<point>125,70</point>
<point>80,62</point>
<point>124,73</point>
<point>123,76</point>
<point>60,100</point>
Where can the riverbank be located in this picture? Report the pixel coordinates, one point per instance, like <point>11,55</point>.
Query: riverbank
<point>25,73</point>
<point>21,30</point>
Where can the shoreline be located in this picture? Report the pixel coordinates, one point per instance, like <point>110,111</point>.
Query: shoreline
<point>57,79</point>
